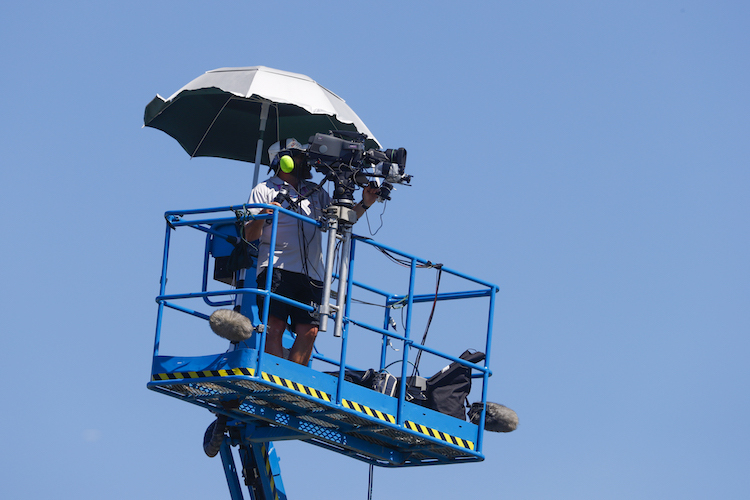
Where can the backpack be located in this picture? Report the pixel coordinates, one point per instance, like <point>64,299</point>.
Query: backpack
<point>447,391</point>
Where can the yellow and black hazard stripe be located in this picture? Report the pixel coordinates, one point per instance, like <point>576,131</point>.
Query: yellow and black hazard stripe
<point>309,391</point>
<point>385,417</point>
<point>290,384</point>
<point>269,473</point>
<point>202,374</point>
<point>433,433</point>
<point>324,396</point>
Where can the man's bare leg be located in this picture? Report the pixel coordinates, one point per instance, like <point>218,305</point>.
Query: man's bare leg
<point>303,345</point>
<point>276,329</point>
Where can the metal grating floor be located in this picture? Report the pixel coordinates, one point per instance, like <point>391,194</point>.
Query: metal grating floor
<point>287,414</point>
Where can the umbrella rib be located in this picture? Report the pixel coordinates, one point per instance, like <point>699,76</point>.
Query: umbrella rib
<point>278,119</point>
<point>333,123</point>
<point>209,127</point>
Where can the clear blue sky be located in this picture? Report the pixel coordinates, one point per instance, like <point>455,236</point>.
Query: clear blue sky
<point>589,157</point>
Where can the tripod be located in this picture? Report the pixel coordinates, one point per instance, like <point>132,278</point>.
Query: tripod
<point>339,221</point>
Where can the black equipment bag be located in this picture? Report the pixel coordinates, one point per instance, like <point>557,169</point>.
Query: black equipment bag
<point>365,378</point>
<point>448,389</point>
<point>382,382</point>
<point>242,256</point>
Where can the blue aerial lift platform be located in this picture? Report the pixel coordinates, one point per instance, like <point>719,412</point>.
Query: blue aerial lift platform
<point>260,398</point>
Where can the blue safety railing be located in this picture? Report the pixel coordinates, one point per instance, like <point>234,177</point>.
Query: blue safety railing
<point>207,220</point>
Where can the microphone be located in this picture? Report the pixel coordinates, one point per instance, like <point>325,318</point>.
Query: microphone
<point>231,325</point>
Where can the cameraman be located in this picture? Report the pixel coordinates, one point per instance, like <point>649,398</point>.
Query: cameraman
<point>298,268</point>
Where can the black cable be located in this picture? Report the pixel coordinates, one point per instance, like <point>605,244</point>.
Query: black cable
<point>385,203</point>
<point>365,303</point>
<point>429,320</point>
<point>303,242</point>
<point>407,263</point>
<point>370,481</point>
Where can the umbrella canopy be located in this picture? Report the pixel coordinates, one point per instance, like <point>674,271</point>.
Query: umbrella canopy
<point>231,112</point>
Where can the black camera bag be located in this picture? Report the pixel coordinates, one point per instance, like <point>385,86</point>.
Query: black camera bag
<point>448,390</point>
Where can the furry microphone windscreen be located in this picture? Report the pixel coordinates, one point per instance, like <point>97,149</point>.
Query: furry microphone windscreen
<point>231,325</point>
<point>498,418</point>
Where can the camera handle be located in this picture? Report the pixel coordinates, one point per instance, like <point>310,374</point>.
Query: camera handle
<point>339,221</point>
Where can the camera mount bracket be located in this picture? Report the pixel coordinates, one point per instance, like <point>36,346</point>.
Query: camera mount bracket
<point>344,214</point>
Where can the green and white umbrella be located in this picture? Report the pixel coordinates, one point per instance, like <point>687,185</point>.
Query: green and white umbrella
<point>232,112</point>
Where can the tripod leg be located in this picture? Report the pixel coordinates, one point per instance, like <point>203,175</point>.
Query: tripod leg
<point>325,303</point>
<point>343,279</point>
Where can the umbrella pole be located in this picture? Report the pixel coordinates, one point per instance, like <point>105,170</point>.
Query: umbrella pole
<point>262,130</point>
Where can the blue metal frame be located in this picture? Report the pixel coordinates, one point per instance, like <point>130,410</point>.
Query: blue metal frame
<point>282,400</point>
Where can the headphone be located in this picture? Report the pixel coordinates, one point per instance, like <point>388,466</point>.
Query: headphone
<point>284,159</point>
<point>286,162</point>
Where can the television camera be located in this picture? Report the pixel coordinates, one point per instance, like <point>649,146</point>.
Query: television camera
<point>341,157</point>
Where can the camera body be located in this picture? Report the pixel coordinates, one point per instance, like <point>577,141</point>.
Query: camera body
<point>341,157</point>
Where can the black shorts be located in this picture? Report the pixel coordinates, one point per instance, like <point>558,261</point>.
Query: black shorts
<point>295,286</point>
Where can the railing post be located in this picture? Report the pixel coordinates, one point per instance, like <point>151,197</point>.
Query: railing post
<point>162,289</point>
<point>407,343</point>
<point>486,375</point>
<point>267,301</point>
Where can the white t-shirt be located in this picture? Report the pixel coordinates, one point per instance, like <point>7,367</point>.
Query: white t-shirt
<point>298,244</point>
